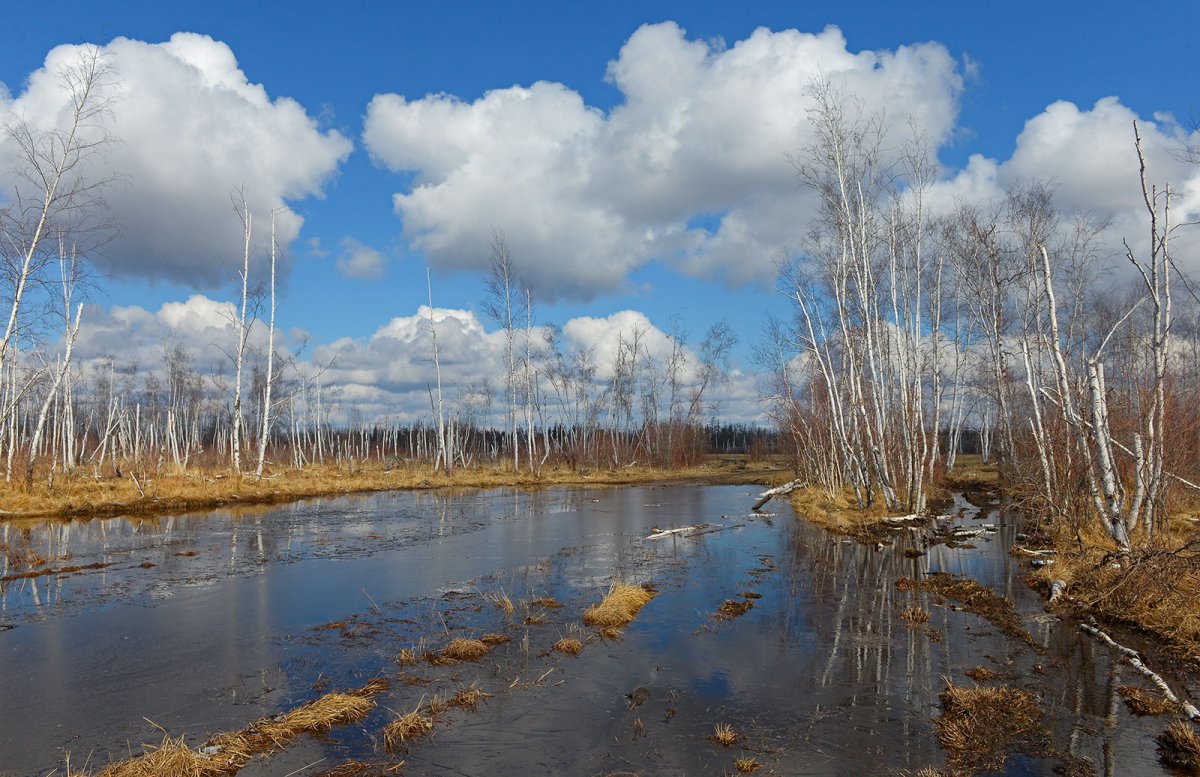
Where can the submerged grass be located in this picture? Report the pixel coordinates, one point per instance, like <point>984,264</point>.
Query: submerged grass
<point>404,729</point>
<point>979,727</point>
<point>732,608</point>
<point>568,646</point>
<point>619,607</point>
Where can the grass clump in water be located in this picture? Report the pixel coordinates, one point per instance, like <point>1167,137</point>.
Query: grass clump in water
<point>977,599</point>
<point>1179,746</point>
<point>979,726</point>
<point>732,608</point>
<point>723,734</point>
<point>407,727</point>
<point>619,607</point>
<point>460,649</point>
<point>1142,702</point>
<point>568,646</point>
<point>746,765</point>
<point>982,674</point>
<point>914,616</point>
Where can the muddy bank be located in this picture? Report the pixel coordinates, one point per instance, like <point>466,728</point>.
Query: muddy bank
<point>823,674</point>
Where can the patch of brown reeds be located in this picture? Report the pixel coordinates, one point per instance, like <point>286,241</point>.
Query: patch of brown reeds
<point>571,647</point>
<point>723,734</point>
<point>545,602</point>
<point>619,607</point>
<point>975,598</point>
<point>459,649</point>
<point>982,674</point>
<point>492,640</point>
<point>750,595</point>
<point>468,698</point>
<point>1179,746</point>
<point>732,608</point>
<point>228,752</point>
<point>404,729</point>
<point>978,727</point>
<point>1142,702</point>
<point>914,616</point>
<point>746,765</point>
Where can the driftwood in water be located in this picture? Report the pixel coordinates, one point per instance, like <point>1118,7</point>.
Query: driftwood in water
<point>1135,660</point>
<point>1057,589</point>
<point>768,495</point>
<point>894,519</point>
<point>692,531</point>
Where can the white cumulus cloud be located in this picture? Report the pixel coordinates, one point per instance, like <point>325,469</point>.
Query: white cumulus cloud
<point>703,132</point>
<point>189,127</point>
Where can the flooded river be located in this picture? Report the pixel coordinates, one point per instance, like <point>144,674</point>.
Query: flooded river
<point>201,623</point>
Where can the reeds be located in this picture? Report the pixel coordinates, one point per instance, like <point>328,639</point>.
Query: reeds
<point>407,727</point>
<point>723,734</point>
<point>228,752</point>
<point>732,608</point>
<point>746,765</point>
<point>978,725</point>
<point>982,674</point>
<point>571,647</point>
<point>1142,702</point>
<point>1179,746</point>
<point>619,607</point>
<point>914,616</point>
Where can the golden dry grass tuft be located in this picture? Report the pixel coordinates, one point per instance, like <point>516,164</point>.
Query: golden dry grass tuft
<point>227,752</point>
<point>723,734</point>
<point>492,640</point>
<point>460,649</point>
<point>746,765</point>
<point>404,729</point>
<point>979,726</point>
<point>571,647</point>
<point>1179,746</point>
<point>915,616</point>
<point>1142,702</point>
<point>544,602</point>
<point>619,607</point>
<point>407,657</point>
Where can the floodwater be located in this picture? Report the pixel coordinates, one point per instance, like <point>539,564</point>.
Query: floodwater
<point>203,622</point>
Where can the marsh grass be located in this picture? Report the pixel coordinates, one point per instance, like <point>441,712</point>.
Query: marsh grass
<point>1179,746</point>
<point>723,734</point>
<point>1142,702</point>
<point>978,727</point>
<point>228,752</point>
<point>568,646</point>
<point>619,607</point>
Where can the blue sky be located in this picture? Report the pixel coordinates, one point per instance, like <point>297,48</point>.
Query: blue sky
<point>1013,59</point>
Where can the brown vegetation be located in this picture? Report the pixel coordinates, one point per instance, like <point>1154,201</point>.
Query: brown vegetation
<point>732,608</point>
<point>982,674</point>
<point>226,753</point>
<point>460,649</point>
<point>412,725</point>
<point>1179,746</point>
<point>978,727</point>
<point>571,647</point>
<point>619,607</point>
<point>723,734</point>
<point>197,489</point>
<point>914,616</point>
<point>1142,702</point>
<point>977,599</point>
<point>746,765</point>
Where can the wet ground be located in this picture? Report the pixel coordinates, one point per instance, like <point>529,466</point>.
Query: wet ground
<point>202,623</point>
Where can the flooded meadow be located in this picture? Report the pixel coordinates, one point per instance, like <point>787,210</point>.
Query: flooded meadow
<point>765,644</point>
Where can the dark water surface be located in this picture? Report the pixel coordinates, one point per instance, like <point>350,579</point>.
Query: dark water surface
<point>821,677</point>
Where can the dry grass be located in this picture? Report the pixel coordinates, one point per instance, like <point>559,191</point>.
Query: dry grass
<point>732,608</point>
<point>1179,746</point>
<point>502,603</point>
<point>460,649</point>
<point>982,674</point>
<point>975,598</point>
<point>840,514</point>
<point>978,727</point>
<point>747,765</point>
<point>571,647</point>
<point>1142,702</point>
<point>544,602</point>
<point>1154,589</point>
<point>492,640</point>
<point>168,491</point>
<point>468,698</point>
<point>226,753</point>
<point>723,734</point>
<point>407,657</point>
<point>619,607</point>
<point>914,616</point>
<point>404,729</point>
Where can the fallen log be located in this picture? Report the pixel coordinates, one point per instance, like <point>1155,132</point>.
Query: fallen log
<point>894,519</point>
<point>768,495</point>
<point>1135,660</point>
